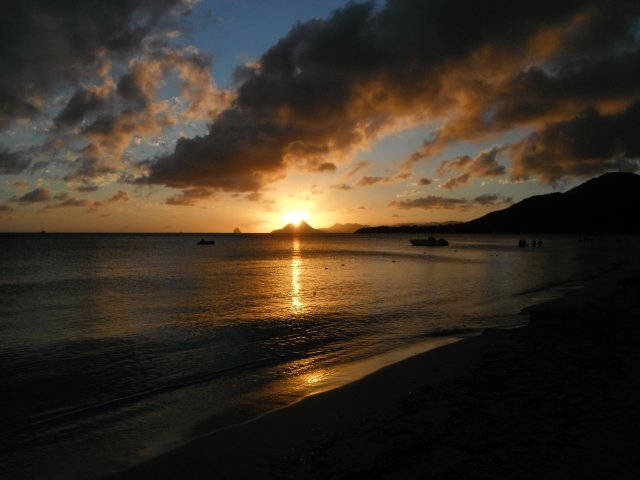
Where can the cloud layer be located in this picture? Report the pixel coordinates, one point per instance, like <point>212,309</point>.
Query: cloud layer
<point>485,164</point>
<point>45,45</point>
<point>332,86</point>
<point>435,202</point>
<point>567,72</point>
<point>12,163</point>
<point>100,81</point>
<point>582,146</point>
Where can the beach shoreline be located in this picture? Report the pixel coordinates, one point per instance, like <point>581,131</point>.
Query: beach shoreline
<point>554,399</point>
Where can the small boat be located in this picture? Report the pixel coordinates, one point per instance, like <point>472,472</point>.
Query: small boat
<point>429,242</point>
<point>206,242</point>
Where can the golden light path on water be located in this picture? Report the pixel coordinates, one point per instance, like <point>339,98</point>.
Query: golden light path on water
<point>297,305</point>
<point>327,378</point>
<point>308,378</point>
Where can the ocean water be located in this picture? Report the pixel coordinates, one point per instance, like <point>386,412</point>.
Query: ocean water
<point>115,348</point>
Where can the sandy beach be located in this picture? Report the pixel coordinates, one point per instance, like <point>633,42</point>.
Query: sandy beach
<point>556,399</point>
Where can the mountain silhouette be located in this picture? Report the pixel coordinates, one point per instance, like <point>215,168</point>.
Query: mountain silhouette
<point>602,205</point>
<point>342,228</point>
<point>292,228</point>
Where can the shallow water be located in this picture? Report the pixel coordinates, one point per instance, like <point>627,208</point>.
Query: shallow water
<point>117,347</point>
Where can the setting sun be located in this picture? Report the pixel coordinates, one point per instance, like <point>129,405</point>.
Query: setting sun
<point>295,217</point>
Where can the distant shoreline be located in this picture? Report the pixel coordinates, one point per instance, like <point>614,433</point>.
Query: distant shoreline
<point>370,231</point>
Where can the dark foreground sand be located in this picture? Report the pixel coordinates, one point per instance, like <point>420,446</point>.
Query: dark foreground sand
<point>557,399</point>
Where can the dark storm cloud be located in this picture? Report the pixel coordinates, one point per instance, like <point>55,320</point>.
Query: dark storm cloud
<point>87,188</point>
<point>64,200</point>
<point>337,84</point>
<point>299,102</point>
<point>592,64</point>
<point>12,163</point>
<point>71,202</point>
<point>433,202</point>
<point>236,155</point>
<point>129,88</point>
<point>587,145</point>
<point>81,103</point>
<point>492,199</point>
<point>328,88</point>
<point>536,93</point>
<point>39,165</point>
<point>41,194</point>
<point>45,44</point>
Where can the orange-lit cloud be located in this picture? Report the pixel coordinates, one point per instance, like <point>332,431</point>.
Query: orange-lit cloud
<point>357,167</point>
<point>485,164</point>
<point>369,180</point>
<point>191,197</point>
<point>327,90</point>
<point>333,85</point>
<point>110,115</point>
<point>120,196</point>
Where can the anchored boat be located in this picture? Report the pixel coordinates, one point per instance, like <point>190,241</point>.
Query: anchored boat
<point>429,242</point>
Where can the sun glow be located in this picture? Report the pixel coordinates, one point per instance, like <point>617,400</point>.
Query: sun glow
<point>296,217</point>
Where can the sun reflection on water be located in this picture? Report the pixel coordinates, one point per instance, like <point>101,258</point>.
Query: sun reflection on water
<point>315,379</point>
<point>297,305</point>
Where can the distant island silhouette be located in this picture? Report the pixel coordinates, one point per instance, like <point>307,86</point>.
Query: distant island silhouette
<point>292,228</point>
<point>304,227</point>
<point>602,205</point>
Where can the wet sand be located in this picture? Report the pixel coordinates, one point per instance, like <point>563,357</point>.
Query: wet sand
<point>559,398</point>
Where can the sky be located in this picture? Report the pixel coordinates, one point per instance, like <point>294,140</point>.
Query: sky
<point>211,115</point>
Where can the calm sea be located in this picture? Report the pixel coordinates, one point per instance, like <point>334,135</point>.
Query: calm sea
<point>117,347</point>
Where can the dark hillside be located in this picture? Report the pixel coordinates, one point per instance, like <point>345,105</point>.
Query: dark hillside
<point>604,205</point>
